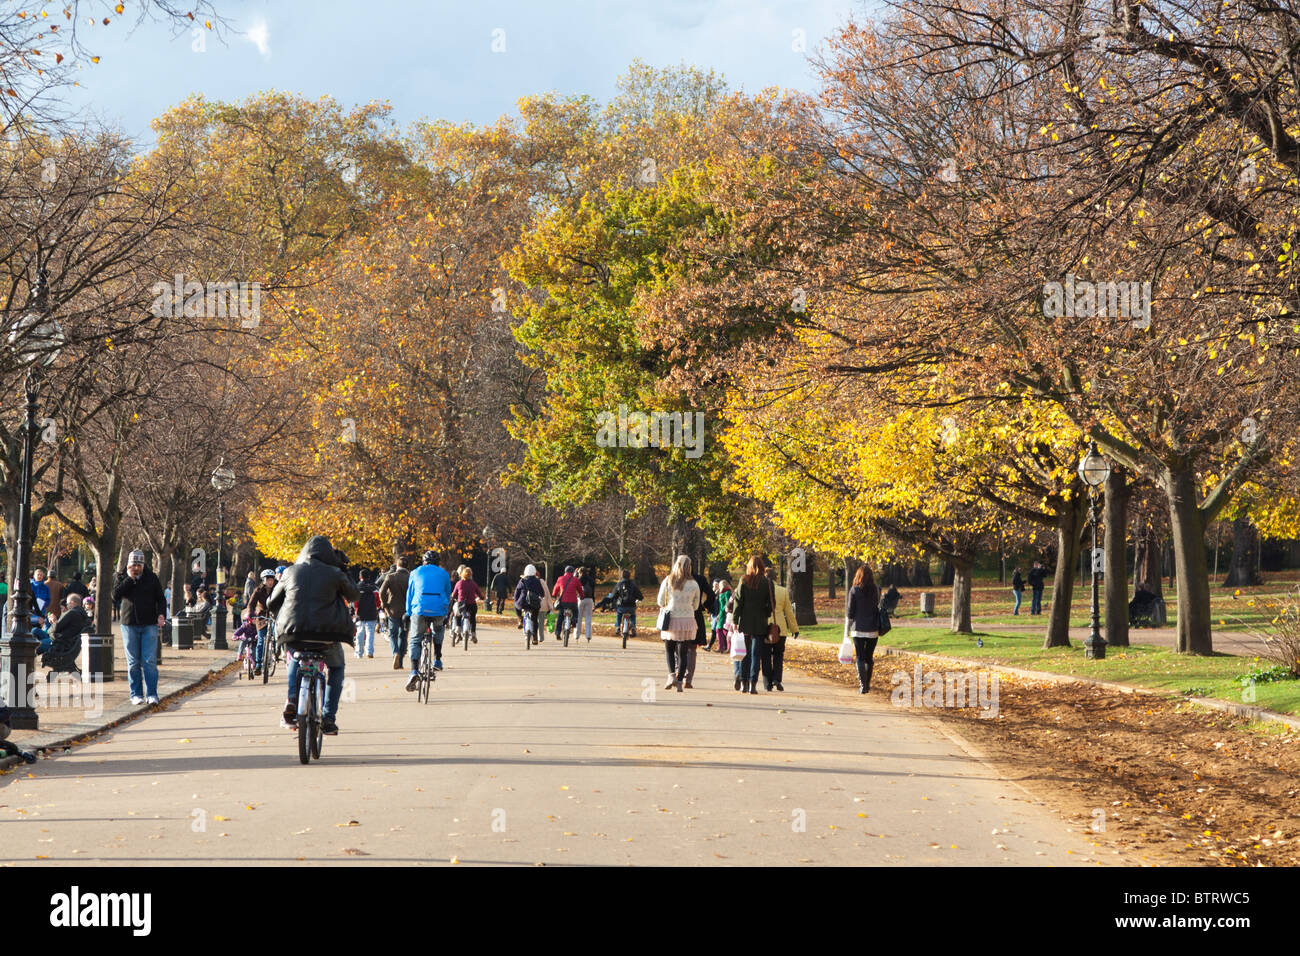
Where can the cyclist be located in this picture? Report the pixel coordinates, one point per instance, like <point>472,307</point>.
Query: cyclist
<point>466,593</point>
<point>587,578</point>
<point>428,597</point>
<point>310,605</point>
<point>567,593</point>
<point>530,594</point>
<point>257,609</point>
<point>626,594</point>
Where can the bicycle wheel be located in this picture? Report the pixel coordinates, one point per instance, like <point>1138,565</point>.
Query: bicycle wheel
<point>270,658</point>
<point>466,632</point>
<point>304,729</point>
<point>317,721</point>
<point>564,628</point>
<point>426,676</point>
<point>528,632</point>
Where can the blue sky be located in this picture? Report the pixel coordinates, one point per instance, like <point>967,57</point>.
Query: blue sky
<point>436,60</point>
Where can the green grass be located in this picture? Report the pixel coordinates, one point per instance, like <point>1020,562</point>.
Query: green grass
<point>1141,665</point>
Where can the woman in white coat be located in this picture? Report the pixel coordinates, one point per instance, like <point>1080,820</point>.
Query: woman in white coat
<point>679,594</point>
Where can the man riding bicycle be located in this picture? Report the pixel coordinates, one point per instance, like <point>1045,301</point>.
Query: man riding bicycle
<point>310,608</point>
<point>567,593</point>
<point>258,614</point>
<point>428,597</point>
<point>625,595</point>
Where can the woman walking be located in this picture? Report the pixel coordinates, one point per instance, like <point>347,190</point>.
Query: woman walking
<point>863,622</point>
<point>752,607</point>
<point>679,595</point>
<point>720,632</point>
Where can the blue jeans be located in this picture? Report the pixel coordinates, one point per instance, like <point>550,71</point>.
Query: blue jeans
<point>572,608</point>
<point>1036,605</point>
<point>260,647</point>
<point>619,614</point>
<point>1019,597</point>
<point>396,636</point>
<point>754,656</point>
<point>418,624</point>
<point>333,683</point>
<point>142,655</point>
<point>366,637</point>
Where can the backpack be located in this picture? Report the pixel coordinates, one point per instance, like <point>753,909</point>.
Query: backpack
<point>368,603</point>
<point>532,600</point>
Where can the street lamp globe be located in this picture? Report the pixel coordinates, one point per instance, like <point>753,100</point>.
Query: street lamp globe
<point>1094,469</point>
<point>223,478</point>
<point>36,338</point>
<point>488,532</point>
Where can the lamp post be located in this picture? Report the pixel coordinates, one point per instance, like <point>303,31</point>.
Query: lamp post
<point>488,534</point>
<point>1094,470</point>
<point>35,339</point>
<point>223,479</point>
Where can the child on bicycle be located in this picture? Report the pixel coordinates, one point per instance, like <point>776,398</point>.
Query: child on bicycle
<point>466,594</point>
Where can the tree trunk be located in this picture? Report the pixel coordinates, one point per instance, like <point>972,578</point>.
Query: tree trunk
<point>1242,571</point>
<point>850,569</point>
<point>1147,565</point>
<point>961,591</point>
<point>1117,495</point>
<point>1069,528</point>
<point>921,573</point>
<point>105,573</point>
<point>949,574</point>
<point>830,577</point>
<point>1187,524</point>
<point>801,592</point>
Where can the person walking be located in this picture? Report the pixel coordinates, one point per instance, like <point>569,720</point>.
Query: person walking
<point>587,603</point>
<point>752,607</point>
<point>367,614</point>
<point>392,594</point>
<point>783,617</point>
<point>862,620</point>
<point>1037,577</point>
<point>1017,590</point>
<point>703,624</point>
<point>139,595</point>
<point>310,604</point>
<point>720,632</point>
<point>679,595</point>
<point>501,588</point>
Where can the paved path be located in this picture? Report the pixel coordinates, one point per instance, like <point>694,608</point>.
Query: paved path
<point>554,755</point>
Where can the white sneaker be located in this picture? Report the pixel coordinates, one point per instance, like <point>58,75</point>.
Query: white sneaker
<point>137,701</point>
<point>151,699</point>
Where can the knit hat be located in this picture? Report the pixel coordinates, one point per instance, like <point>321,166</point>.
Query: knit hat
<point>136,557</point>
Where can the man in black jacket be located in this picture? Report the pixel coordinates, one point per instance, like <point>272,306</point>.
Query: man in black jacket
<point>66,644</point>
<point>143,611</point>
<point>1037,577</point>
<point>310,608</point>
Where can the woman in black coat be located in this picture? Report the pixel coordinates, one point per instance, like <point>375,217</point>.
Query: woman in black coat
<point>864,623</point>
<point>752,607</point>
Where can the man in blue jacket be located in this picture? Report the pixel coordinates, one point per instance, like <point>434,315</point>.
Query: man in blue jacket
<point>428,598</point>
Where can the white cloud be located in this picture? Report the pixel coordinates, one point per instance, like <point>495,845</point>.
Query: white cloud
<point>260,36</point>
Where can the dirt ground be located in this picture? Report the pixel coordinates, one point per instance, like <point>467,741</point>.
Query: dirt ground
<point>1178,784</point>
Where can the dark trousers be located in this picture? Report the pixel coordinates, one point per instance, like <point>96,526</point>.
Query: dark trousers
<point>560,608</point>
<point>501,602</point>
<point>679,658</point>
<point>1036,604</point>
<point>774,661</point>
<point>866,648</point>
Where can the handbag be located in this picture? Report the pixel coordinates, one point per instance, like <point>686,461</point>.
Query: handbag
<point>773,629</point>
<point>884,621</point>
<point>664,617</point>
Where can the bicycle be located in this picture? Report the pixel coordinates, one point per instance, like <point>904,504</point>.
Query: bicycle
<point>270,651</point>
<point>462,623</point>
<point>625,628</point>
<point>311,693</point>
<point>426,674</point>
<point>247,653</point>
<point>568,620</point>
<point>530,629</point>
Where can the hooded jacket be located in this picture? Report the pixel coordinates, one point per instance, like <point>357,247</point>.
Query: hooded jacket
<point>309,603</point>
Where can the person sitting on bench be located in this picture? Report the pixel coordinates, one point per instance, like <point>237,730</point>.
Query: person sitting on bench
<point>65,646</point>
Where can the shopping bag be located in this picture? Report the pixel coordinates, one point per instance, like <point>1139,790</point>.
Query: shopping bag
<point>737,644</point>
<point>846,650</point>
